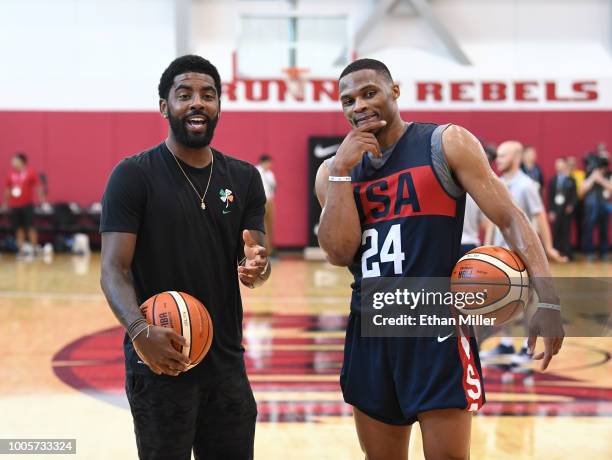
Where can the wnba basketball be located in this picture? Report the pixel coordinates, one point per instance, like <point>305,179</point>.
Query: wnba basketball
<point>501,275</point>
<point>187,316</point>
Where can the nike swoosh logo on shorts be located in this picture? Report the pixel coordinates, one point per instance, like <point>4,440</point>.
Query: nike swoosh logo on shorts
<point>442,339</point>
<point>322,152</point>
<point>225,211</point>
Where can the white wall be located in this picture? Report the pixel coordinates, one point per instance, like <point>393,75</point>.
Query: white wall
<point>516,36</point>
<point>84,54</point>
<point>109,54</point>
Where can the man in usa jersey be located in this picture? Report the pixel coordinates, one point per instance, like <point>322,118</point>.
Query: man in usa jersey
<point>393,199</point>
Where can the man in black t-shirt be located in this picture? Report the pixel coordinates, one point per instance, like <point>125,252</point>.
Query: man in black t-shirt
<point>183,216</point>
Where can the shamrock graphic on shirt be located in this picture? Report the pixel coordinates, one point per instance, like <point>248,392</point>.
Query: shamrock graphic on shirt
<point>226,196</point>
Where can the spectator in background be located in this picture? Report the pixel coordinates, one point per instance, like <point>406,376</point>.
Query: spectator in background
<point>578,175</point>
<point>531,168</point>
<point>474,220</point>
<point>525,194</point>
<point>269,182</point>
<point>19,196</point>
<point>562,198</point>
<point>602,150</point>
<point>596,190</point>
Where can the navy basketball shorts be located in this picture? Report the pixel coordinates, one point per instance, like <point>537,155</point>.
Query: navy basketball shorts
<point>393,379</point>
<point>465,248</point>
<point>173,417</point>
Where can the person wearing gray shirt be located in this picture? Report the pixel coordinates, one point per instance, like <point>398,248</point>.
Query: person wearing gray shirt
<point>524,192</point>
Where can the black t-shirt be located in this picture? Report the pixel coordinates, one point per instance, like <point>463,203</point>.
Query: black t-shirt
<point>182,247</point>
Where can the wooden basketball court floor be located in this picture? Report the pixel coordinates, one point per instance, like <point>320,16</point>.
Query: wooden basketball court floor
<point>61,371</point>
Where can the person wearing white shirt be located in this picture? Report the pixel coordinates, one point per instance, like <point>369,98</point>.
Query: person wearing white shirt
<point>473,222</point>
<point>269,182</point>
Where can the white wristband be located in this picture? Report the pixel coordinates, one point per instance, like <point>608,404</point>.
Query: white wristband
<point>340,178</point>
<point>549,306</point>
<point>265,270</point>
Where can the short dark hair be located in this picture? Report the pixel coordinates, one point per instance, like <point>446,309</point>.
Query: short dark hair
<point>184,64</point>
<point>362,64</point>
<point>22,156</point>
<point>265,157</point>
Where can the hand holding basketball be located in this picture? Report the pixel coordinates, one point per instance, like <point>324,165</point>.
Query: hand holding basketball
<point>156,350</point>
<point>502,274</point>
<point>255,263</point>
<point>359,141</point>
<point>547,324</point>
<point>180,333</point>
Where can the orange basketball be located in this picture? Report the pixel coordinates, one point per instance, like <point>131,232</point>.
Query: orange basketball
<point>500,276</point>
<point>187,316</point>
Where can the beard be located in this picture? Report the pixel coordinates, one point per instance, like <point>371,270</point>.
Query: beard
<point>178,127</point>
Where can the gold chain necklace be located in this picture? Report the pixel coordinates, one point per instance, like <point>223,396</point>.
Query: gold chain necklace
<point>212,164</point>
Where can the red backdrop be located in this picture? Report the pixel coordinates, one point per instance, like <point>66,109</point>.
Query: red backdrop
<point>77,150</point>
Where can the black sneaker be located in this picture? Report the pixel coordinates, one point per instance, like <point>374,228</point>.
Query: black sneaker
<point>521,357</point>
<point>500,349</point>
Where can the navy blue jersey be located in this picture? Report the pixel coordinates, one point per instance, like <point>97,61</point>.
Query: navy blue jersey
<point>410,224</point>
<point>411,212</point>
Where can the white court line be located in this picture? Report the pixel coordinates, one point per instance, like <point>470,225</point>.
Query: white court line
<point>100,297</point>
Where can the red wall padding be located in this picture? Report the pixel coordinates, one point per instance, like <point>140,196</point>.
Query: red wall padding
<point>77,150</point>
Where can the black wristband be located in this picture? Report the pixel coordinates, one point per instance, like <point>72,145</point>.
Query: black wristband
<point>134,325</point>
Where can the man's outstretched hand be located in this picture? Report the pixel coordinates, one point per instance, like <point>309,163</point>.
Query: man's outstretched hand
<point>256,266</point>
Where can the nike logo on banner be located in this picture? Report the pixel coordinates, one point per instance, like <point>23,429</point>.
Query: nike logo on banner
<point>442,339</point>
<point>322,152</point>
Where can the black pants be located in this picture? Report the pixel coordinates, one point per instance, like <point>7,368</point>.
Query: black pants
<point>22,217</point>
<point>578,223</point>
<point>171,418</point>
<point>561,233</point>
<point>465,248</point>
<point>595,217</point>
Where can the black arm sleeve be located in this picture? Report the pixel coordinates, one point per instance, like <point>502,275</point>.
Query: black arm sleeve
<point>124,199</point>
<point>253,218</point>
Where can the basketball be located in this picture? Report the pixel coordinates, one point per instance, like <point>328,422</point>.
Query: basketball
<point>187,316</point>
<point>501,275</point>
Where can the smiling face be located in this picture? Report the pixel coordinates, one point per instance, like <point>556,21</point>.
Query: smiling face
<point>367,95</point>
<point>192,109</point>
